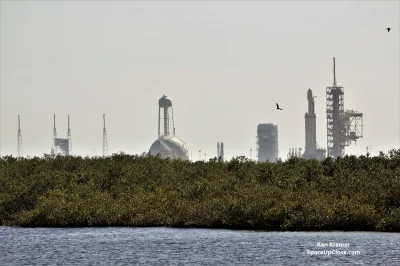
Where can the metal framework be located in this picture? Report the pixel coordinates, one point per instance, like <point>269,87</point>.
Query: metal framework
<point>61,146</point>
<point>294,152</point>
<point>69,139</point>
<point>54,148</point>
<point>105,144</point>
<point>354,125</point>
<point>19,138</point>
<point>165,103</point>
<point>221,152</point>
<point>334,123</point>
<point>343,127</point>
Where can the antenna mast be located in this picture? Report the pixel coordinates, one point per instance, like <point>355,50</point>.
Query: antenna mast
<point>54,136</point>
<point>334,73</point>
<point>19,148</point>
<point>105,144</point>
<point>69,138</point>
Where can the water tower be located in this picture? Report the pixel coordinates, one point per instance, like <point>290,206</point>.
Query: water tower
<point>167,145</point>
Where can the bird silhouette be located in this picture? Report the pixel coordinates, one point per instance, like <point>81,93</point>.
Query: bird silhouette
<point>388,29</point>
<point>277,107</point>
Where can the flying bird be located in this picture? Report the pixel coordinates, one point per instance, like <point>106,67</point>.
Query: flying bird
<point>388,29</point>
<point>277,107</point>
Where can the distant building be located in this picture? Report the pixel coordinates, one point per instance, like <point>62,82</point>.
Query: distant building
<point>267,141</point>
<point>62,146</point>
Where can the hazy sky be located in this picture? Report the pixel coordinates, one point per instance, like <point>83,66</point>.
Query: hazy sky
<point>223,64</point>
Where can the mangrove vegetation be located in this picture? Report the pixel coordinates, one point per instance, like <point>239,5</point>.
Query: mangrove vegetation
<point>350,193</point>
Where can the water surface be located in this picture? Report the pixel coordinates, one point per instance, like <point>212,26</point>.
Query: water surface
<point>167,246</point>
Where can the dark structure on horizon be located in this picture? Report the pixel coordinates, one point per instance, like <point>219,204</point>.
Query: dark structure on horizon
<point>267,142</point>
<point>311,149</point>
<point>61,146</point>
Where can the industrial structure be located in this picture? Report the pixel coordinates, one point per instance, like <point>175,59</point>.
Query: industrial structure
<point>61,146</point>
<point>168,146</point>
<point>19,140</point>
<point>69,139</point>
<point>343,127</point>
<point>105,143</point>
<point>220,151</point>
<point>312,151</point>
<point>294,152</point>
<point>267,142</point>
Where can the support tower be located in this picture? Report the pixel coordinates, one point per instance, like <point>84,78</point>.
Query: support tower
<point>19,138</point>
<point>69,138</point>
<point>221,152</point>
<point>54,148</point>
<point>105,144</point>
<point>61,146</point>
<point>334,113</point>
<point>168,146</point>
<point>343,127</point>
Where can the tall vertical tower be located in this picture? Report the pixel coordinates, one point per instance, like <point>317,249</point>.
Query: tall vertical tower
<point>267,142</point>
<point>105,144</point>
<point>69,138</point>
<point>165,103</point>
<point>343,126</point>
<point>334,113</point>
<point>19,138</point>
<point>168,146</point>
<point>54,148</point>
<point>221,153</point>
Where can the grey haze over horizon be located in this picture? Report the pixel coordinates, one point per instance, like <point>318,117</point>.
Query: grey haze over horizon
<point>223,64</point>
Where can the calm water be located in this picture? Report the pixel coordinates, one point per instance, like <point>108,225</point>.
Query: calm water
<point>165,246</point>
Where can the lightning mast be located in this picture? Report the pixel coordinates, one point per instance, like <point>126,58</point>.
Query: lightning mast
<point>334,114</point>
<point>221,153</point>
<point>54,149</point>
<point>105,144</point>
<point>19,137</point>
<point>69,138</point>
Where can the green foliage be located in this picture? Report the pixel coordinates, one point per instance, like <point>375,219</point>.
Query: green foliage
<point>350,193</point>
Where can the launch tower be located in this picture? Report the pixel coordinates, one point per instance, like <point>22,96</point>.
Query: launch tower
<point>343,127</point>
<point>61,146</point>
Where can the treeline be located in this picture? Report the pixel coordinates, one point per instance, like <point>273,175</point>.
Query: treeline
<point>350,193</point>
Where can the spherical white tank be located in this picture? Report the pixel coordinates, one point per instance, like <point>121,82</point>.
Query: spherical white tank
<point>169,147</point>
